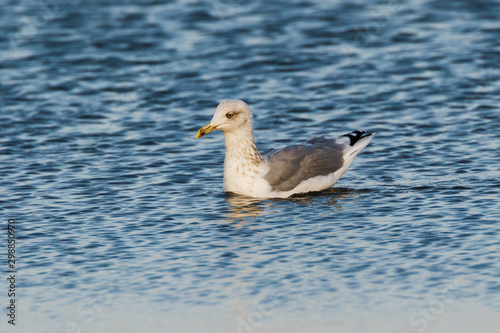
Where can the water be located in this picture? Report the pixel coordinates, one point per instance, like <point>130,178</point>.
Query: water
<point>122,222</point>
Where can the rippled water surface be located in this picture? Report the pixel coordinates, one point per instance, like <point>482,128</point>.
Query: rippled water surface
<point>122,222</point>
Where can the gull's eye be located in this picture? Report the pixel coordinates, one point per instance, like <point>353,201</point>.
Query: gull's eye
<point>229,115</point>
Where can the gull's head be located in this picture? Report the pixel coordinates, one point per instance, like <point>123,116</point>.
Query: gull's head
<point>231,115</point>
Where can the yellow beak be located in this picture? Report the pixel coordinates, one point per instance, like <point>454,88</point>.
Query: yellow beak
<point>205,130</point>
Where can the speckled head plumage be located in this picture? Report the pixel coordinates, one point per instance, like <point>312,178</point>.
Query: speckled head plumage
<point>230,115</point>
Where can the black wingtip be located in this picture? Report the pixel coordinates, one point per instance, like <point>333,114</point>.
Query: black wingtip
<point>355,136</point>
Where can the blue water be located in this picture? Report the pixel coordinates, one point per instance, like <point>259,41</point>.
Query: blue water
<point>122,222</point>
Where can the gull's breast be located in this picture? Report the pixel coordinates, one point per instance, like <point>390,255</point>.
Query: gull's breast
<point>246,178</point>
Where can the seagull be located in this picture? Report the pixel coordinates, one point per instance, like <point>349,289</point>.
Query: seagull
<point>314,166</point>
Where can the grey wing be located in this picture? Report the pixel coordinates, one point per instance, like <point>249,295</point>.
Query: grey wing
<point>289,166</point>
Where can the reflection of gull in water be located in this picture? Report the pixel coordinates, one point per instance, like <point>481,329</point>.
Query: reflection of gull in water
<point>314,166</point>
<point>245,208</point>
